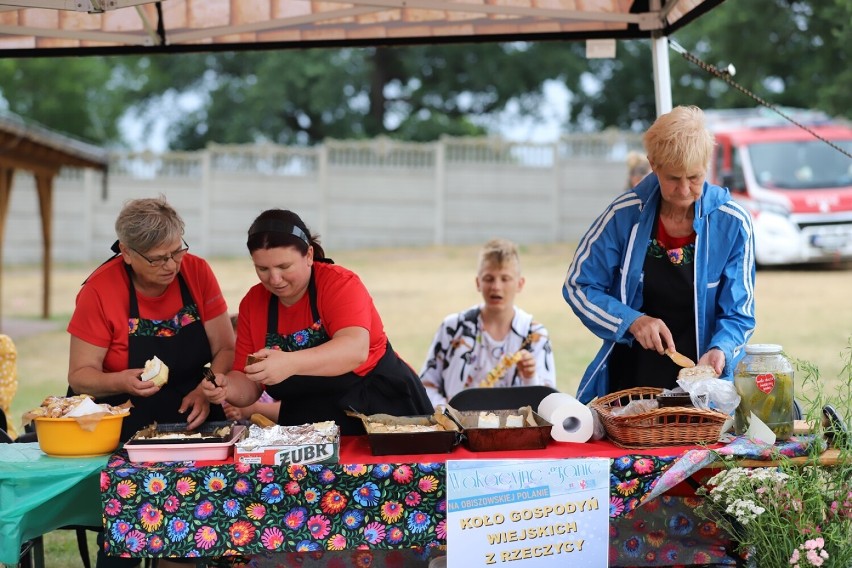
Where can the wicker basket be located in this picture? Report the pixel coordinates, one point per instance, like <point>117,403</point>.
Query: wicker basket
<point>671,426</point>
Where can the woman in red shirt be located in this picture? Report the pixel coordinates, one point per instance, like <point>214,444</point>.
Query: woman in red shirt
<point>321,343</point>
<point>153,298</point>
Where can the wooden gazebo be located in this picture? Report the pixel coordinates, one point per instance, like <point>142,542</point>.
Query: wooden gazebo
<point>33,148</point>
<point>35,28</point>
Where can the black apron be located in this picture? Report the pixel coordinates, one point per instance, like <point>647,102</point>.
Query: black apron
<point>185,353</point>
<point>392,387</point>
<point>667,294</point>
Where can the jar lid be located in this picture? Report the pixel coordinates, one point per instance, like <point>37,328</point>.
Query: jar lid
<point>762,348</point>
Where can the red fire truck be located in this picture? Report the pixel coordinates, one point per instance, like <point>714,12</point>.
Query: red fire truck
<point>797,187</point>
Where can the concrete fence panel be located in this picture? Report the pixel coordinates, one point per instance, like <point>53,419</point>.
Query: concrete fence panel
<point>355,194</point>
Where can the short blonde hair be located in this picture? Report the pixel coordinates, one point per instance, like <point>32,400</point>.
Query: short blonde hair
<point>499,252</point>
<point>680,140</point>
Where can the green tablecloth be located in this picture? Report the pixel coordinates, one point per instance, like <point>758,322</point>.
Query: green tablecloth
<point>39,494</point>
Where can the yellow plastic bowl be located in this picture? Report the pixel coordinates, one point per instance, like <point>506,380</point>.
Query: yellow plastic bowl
<point>64,437</point>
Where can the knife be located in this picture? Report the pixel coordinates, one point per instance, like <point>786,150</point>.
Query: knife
<point>679,359</point>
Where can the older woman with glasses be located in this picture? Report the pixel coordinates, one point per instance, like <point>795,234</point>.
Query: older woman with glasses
<point>153,298</point>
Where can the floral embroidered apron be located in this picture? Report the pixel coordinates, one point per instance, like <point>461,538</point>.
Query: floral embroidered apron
<point>668,290</point>
<point>392,387</point>
<point>181,343</point>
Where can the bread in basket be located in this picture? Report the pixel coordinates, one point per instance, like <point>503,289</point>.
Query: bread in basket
<point>668,426</point>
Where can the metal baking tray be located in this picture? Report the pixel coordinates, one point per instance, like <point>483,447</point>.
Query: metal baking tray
<point>190,449</point>
<point>405,443</point>
<point>179,434</point>
<point>503,439</point>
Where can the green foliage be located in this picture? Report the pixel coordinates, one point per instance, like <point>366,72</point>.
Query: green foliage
<point>74,95</point>
<point>793,515</point>
<point>302,97</point>
<point>788,52</point>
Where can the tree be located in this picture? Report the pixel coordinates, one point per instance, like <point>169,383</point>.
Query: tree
<point>74,95</point>
<point>791,53</point>
<point>305,96</point>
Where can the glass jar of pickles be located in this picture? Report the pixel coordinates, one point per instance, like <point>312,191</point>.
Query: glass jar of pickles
<point>764,381</point>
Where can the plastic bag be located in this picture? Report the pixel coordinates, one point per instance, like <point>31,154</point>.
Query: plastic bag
<point>635,407</point>
<point>712,394</point>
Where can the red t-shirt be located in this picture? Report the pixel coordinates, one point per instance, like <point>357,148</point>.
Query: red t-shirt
<point>670,242</point>
<point>103,305</point>
<point>342,301</point>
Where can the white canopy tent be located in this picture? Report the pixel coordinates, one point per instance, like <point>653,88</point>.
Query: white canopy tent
<point>31,28</point>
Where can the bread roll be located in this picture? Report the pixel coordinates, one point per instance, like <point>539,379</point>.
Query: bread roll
<point>261,420</point>
<point>697,372</point>
<point>155,371</point>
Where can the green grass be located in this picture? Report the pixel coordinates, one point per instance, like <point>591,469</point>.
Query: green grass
<point>807,310</point>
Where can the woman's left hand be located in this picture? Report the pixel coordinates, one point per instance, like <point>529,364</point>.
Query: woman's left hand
<point>196,406</point>
<point>271,370</point>
<point>715,358</point>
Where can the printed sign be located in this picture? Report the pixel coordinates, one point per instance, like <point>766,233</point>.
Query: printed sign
<point>528,512</point>
<point>600,49</point>
<point>289,454</point>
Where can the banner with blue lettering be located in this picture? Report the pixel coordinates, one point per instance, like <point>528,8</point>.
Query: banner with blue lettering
<point>528,513</point>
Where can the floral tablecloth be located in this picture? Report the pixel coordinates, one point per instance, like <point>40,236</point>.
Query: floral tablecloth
<point>184,510</point>
<point>187,509</point>
<point>739,447</point>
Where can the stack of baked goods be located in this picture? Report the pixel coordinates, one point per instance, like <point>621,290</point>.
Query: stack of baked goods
<point>680,396</point>
<point>61,406</point>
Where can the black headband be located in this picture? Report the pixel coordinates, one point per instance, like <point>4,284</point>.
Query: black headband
<point>277,226</point>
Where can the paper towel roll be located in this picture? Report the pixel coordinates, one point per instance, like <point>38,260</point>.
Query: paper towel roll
<point>572,420</point>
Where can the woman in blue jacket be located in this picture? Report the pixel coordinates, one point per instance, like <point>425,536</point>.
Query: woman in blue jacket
<point>669,265</point>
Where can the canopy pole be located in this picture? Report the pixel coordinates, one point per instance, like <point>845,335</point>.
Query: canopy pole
<point>7,176</point>
<point>662,73</point>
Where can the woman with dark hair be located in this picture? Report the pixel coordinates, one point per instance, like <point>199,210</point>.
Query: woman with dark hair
<point>315,336</point>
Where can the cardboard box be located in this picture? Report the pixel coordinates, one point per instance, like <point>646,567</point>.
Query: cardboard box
<point>289,455</point>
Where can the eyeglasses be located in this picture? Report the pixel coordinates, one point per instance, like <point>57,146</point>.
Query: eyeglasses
<point>176,256</point>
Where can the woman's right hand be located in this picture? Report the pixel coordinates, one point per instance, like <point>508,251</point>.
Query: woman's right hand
<point>217,392</point>
<point>652,333</point>
<point>271,369</point>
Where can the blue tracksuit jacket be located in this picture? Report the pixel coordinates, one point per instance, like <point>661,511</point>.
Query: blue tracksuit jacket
<point>604,281</point>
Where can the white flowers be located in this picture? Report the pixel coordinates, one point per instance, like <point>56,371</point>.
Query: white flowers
<point>764,482</point>
<point>744,510</point>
